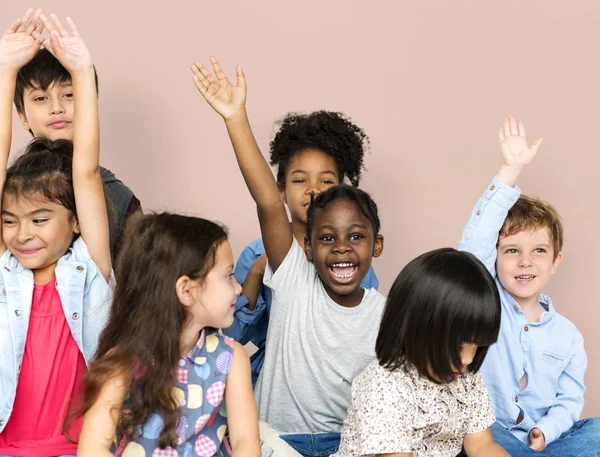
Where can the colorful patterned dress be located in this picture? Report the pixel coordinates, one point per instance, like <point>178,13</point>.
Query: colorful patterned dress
<point>200,388</point>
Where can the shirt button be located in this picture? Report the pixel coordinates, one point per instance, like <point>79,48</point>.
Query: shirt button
<point>478,212</point>
<point>4,292</point>
<point>516,399</point>
<point>1,423</point>
<point>516,307</point>
<point>75,316</point>
<point>79,268</point>
<point>492,187</point>
<point>17,312</point>
<point>526,328</point>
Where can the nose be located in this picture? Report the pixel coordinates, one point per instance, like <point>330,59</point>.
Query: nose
<point>237,287</point>
<point>524,260</point>
<point>23,233</point>
<point>342,246</point>
<point>57,107</point>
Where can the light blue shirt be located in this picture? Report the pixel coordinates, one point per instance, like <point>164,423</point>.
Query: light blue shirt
<point>549,353</point>
<point>252,325</point>
<point>85,297</point>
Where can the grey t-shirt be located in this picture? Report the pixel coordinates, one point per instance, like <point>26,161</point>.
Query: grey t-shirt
<point>315,348</point>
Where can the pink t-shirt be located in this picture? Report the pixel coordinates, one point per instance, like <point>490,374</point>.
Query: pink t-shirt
<point>51,374</point>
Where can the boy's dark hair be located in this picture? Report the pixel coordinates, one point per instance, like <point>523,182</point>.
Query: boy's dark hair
<point>343,191</point>
<point>146,318</point>
<point>439,301</point>
<point>42,71</point>
<point>46,169</point>
<point>327,131</point>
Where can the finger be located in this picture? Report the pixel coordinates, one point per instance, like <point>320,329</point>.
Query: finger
<point>534,149</point>
<point>33,21</point>
<point>199,76</point>
<point>49,26</point>
<point>14,26</point>
<point>241,78</point>
<point>205,73</point>
<point>514,131</point>
<point>25,20</point>
<point>521,129</point>
<point>72,26</point>
<point>39,29</point>
<point>218,71</point>
<point>61,29</point>
<point>506,128</point>
<point>500,134</point>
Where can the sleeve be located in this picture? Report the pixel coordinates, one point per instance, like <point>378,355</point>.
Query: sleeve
<point>381,411</point>
<point>568,404</point>
<point>482,412</point>
<point>245,320</point>
<point>370,281</point>
<point>294,270</point>
<point>480,235</point>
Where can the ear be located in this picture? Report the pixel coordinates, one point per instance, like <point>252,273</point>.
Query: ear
<point>76,228</point>
<point>24,122</point>
<point>556,262</point>
<point>183,289</point>
<point>308,249</point>
<point>378,245</point>
<point>282,194</point>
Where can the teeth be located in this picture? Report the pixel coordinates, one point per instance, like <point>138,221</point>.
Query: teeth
<point>342,276</point>
<point>342,265</point>
<point>525,277</point>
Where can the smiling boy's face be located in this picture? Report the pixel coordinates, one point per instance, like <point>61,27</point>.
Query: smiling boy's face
<point>342,245</point>
<point>49,113</point>
<point>525,263</point>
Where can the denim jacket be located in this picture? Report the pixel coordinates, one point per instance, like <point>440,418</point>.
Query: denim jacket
<point>549,353</point>
<point>85,296</point>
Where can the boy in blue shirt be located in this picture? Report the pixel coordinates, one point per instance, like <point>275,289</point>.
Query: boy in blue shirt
<point>534,373</point>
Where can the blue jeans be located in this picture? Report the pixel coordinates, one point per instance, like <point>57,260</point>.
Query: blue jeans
<point>581,440</point>
<point>314,445</point>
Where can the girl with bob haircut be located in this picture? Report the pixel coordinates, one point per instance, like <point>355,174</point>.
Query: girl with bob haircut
<point>165,382</point>
<point>424,396</point>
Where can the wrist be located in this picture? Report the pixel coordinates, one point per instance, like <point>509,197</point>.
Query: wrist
<point>7,70</point>
<point>508,174</point>
<point>239,116</point>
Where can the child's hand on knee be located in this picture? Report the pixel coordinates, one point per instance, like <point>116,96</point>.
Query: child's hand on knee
<point>226,99</point>
<point>21,41</point>
<point>68,47</point>
<point>515,151</point>
<point>537,441</point>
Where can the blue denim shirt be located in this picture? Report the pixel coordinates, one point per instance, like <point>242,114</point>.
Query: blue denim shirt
<point>252,325</point>
<point>549,353</point>
<point>85,296</point>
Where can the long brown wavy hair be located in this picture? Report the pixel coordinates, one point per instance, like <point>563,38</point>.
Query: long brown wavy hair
<point>142,337</point>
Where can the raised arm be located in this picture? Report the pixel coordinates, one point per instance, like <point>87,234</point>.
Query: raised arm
<point>18,45</point>
<point>230,102</point>
<point>73,54</point>
<point>480,235</point>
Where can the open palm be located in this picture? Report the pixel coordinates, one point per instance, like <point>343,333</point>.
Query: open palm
<point>513,143</point>
<point>225,98</point>
<point>21,41</point>
<point>69,48</point>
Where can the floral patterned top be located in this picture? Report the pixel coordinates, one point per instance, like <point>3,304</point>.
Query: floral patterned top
<point>401,411</point>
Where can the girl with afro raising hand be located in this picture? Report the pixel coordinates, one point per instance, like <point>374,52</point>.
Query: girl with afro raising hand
<point>313,152</point>
<point>323,324</point>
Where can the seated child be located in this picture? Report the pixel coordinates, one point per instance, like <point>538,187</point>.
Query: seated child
<point>423,396</point>
<point>55,263</point>
<point>165,382</point>
<point>44,102</point>
<point>313,152</point>
<point>535,371</point>
<point>323,324</point>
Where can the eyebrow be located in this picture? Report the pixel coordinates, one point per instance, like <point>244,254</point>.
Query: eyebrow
<point>326,172</point>
<point>330,227</point>
<point>33,213</point>
<point>63,84</point>
<point>516,245</point>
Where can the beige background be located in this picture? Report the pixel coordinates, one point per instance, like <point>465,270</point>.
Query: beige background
<point>429,81</point>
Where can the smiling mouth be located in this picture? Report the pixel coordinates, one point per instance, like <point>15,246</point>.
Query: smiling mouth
<point>525,278</point>
<point>343,272</point>
<point>28,251</point>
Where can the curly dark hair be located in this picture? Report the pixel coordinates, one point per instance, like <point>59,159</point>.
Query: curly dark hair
<point>330,132</point>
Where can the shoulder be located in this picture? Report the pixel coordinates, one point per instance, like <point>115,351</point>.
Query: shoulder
<point>375,383</point>
<point>375,298</point>
<point>257,247</point>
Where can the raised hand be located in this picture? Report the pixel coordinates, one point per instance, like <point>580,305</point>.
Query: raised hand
<point>68,48</point>
<point>21,41</point>
<point>225,98</point>
<point>513,143</point>
<point>537,441</point>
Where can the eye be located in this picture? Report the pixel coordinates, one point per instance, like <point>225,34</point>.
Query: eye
<point>39,221</point>
<point>328,182</point>
<point>540,250</point>
<point>510,251</point>
<point>41,98</point>
<point>356,237</point>
<point>69,95</point>
<point>327,238</point>
<point>231,276</point>
<point>299,181</point>
<point>8,222</point>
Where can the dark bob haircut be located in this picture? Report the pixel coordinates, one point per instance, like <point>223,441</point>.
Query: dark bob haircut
<point>439,301</point>
<point>343,191</point>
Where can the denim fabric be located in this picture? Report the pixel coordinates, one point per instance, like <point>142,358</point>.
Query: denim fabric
<point>314,445</point>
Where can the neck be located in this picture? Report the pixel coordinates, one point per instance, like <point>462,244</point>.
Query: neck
<point>531,306</point>
<point>189,337</point>
<point>348,300</point>
<point>44,275</point>
<point>299,231</point>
